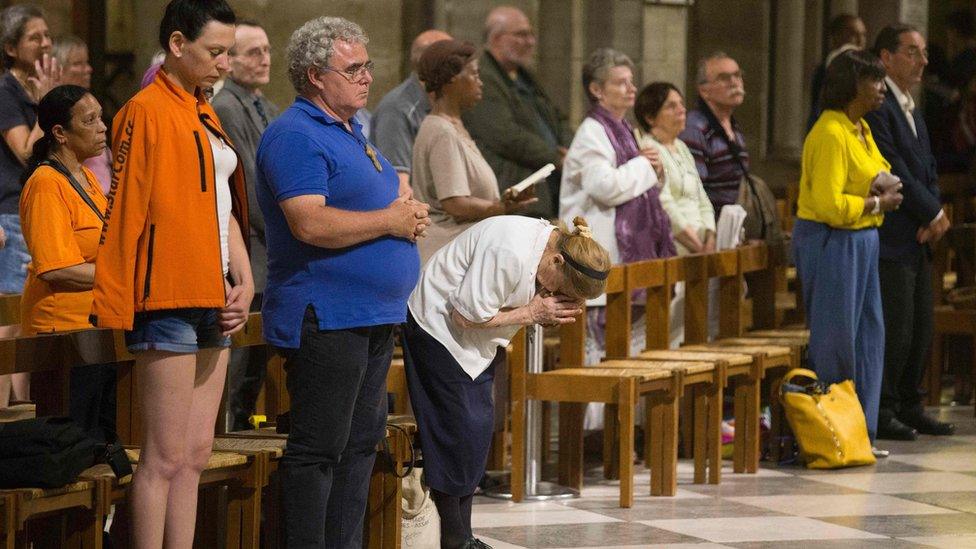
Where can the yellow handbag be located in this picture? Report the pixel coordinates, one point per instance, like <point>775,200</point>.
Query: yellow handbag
<point>828,422</point>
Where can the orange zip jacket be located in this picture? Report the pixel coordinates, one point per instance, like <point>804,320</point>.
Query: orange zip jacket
<point>160,247</point>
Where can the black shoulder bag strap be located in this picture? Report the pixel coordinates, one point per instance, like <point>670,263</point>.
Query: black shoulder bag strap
<point>77,186</point>
<point>734,149</point>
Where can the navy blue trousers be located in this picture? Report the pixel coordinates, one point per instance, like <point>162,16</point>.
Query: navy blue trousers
<point>455,414</point>
<point>838,270</point>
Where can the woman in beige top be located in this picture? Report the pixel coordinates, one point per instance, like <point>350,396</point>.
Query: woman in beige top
<point>449,172</point>
<point>660,112</point>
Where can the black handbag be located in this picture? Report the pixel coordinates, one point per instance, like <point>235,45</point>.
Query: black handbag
<point>50,452</point>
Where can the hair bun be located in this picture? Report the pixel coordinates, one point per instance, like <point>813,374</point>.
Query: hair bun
<point>582,227</point>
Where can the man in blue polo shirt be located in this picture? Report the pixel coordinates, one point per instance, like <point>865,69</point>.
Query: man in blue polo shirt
<point>341,263</point>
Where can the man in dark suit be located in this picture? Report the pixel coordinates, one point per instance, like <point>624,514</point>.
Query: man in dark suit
<point>905,260</point>
<point>846,32</point>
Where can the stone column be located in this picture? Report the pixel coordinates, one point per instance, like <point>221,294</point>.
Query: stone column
<point>561,52</point>
<point>789,111</point>
<point>838,7</point>
<point>878,13</point>
<point>665,47</point>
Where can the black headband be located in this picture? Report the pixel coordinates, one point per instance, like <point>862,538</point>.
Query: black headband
<point>592,273</point>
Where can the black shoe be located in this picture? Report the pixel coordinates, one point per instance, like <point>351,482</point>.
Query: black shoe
<point>896,430</point>
<point>475,543</point>
<point>928,425</point>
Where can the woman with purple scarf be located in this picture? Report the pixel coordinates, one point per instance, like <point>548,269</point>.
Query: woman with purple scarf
<point>615,185</point>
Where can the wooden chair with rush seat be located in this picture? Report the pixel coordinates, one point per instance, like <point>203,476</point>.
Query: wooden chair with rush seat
<point>573,385</point>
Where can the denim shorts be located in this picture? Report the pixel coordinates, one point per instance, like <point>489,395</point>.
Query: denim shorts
<point>176,331</point>
<point>13,257</point>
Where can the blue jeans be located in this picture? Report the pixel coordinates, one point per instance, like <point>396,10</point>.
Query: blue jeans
<point>838,271</point>
<point>13,257</point>
<point>175,330</point>
<point>337,384</point>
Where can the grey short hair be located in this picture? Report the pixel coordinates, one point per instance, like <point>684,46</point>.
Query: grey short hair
<point>597,67</point>
<point>13,21</point>
<point>702,75</point>
<point>312,45</point>
<point>63,46</point>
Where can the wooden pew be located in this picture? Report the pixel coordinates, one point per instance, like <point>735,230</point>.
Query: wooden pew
<point>948,320</point>
<point>576,385</point>
<point>702,383</point>
<point>743,370</point>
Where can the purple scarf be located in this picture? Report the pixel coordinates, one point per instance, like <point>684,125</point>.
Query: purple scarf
<point>642,227</point>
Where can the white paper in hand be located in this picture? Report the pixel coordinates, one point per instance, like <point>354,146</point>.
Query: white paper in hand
<point>536,177</point>
<point>728,234</point>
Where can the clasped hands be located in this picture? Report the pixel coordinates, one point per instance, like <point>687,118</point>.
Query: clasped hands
<point>654,157</point>
<point>887,188</point>
<point>408,217</point>
<point>551,309</point>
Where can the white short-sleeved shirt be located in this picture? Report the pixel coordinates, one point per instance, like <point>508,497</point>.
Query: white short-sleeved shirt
<point>487,268</point>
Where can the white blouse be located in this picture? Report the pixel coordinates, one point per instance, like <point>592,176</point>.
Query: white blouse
<point>593,185</point>
<point>225,162</point>
<point>683,195</point>
<point>489,267</point>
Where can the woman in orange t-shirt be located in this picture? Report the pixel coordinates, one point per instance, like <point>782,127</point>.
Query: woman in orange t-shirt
<point>61,213</point>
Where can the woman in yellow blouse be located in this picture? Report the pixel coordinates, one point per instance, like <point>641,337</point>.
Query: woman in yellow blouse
<point>845,188</point>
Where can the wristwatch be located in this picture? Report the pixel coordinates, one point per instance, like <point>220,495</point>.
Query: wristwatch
<point>877,206</point>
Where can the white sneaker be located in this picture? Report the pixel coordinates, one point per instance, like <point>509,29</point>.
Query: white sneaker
<point>879,453</point>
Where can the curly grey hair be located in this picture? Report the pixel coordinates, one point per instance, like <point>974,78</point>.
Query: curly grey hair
<point>13,21</point>
<point>312,45</point>
<point>597,67</point>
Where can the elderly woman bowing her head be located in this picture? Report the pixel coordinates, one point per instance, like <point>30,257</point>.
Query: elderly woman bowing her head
<point>449,171</point>
<point>473,296</point>
<point>613,183</point>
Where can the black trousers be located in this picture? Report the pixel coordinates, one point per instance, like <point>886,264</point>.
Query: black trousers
<point>906,297</point>
<point>245,377</point>
<point>336,380</point>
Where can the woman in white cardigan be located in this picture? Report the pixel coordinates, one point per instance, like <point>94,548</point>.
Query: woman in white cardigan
<point>661,114</point>
<point>614,184</point>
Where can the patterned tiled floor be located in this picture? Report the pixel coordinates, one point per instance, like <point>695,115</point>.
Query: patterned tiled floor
<point>924,495</point>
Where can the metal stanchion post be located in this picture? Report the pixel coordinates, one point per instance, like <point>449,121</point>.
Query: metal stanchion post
<point>535,489</point>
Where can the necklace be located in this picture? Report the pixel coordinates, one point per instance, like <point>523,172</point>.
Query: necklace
<point>371,153</point>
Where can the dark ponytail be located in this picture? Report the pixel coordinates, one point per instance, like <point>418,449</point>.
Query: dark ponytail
<point>54,109</point>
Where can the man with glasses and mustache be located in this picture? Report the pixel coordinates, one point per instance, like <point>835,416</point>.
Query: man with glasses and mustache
<point>244,113</point>
<point>712,134</point>
<point>515,125</point>
<point>905,265</point>
<point>342,261</point>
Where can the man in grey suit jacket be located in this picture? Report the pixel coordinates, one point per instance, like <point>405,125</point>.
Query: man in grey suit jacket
<point>244,114</point>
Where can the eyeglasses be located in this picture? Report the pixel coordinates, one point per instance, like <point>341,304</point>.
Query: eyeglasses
<point>255,53</point>
<point>355,73</point>
<point>725,78</point>
<point>522,34</point>
<point>916,53</point>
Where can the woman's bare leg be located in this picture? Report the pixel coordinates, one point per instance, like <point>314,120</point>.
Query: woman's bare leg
<point>166,385</point>
<point>181,512</point>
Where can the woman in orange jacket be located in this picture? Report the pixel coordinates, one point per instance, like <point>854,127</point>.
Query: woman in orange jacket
<point>172,269</point>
